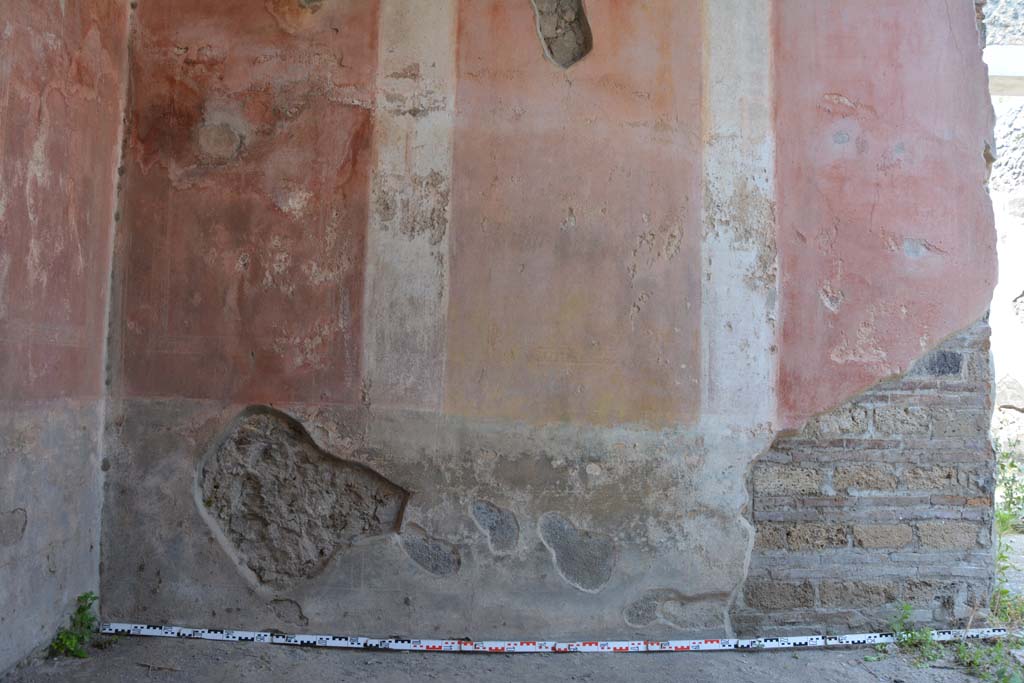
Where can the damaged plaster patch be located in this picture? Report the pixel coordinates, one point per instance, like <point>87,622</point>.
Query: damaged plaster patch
<point>218,141</point>
<point>584,558</point>
<point>670,606</point>
<point>419,204</point>
<point>433,554</point>
<point>12,526</point>
<point>289,611</point>
<point>743,211</point>
<point>286,505</point>
<point>500,525</point>
<point>914,248</point>
<point>222,133</point>
<point>564,30</point>
<point>831,297</point>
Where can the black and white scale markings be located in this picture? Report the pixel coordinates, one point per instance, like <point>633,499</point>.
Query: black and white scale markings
<point>502,646</point>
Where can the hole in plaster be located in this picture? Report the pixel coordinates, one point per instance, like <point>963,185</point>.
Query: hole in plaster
<point>284,504</point>
<point>564,30</point>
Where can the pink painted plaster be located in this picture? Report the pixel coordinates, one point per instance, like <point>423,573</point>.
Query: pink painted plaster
<point>60,104</point>
<point>575,274</point>
<point>247,199</point>
<point>886,239</point>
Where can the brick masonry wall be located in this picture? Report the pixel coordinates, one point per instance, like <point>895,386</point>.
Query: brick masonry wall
<point>885,500</point>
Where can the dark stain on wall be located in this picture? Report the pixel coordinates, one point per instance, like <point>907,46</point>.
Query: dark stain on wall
<point>12,526</point>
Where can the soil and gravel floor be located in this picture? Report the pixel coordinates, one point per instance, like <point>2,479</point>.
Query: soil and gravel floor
<point>160,659</point>
<point>194,661</point>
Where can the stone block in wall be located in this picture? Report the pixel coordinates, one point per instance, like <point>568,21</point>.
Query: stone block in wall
<point>770,536</point>
<point>863,477</point>
<point>934,478</point>
<point>787,481</point>
<point>901,420</point>
<point>949,535</point>
<point>856,593</point>
<point>848,419</point>
<point>882,535</point>
<point>816,536</point>
<point>960,424</point>
<point>767,594</point>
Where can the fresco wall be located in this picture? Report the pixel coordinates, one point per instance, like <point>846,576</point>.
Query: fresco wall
<point>61,96</point>
<point>473,316</point>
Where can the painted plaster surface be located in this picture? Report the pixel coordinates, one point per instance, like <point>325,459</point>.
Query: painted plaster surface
<point>61,89</point>
<point>60,85</point>
<point>533,288</point>
<point>550,305</point>
<point>883,136</point>
<point>575,291</point>
<point>518,380</point>
<point>247,205</point>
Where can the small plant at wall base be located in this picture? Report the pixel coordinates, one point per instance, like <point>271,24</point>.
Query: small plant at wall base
<point>995,661</point>
<point>918,643</point>
<point>72,640</point>
<point>1007,608</point>
<point>991,661</point>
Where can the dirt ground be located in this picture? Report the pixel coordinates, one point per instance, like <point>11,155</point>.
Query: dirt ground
<point>165,659</point>
<point>196,661</point>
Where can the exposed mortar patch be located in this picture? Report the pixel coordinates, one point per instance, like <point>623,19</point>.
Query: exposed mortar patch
<point>418,205</point>
<point>564,30</point>
<point>500,525</point>
<point>644,610</point>
<point>285,504</point>
<point>585,559</point>
<point>433,554</point>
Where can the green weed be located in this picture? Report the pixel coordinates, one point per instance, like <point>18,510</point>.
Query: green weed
<point>72,640</point>
<point>991,661</point>
<point>918,643</point>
